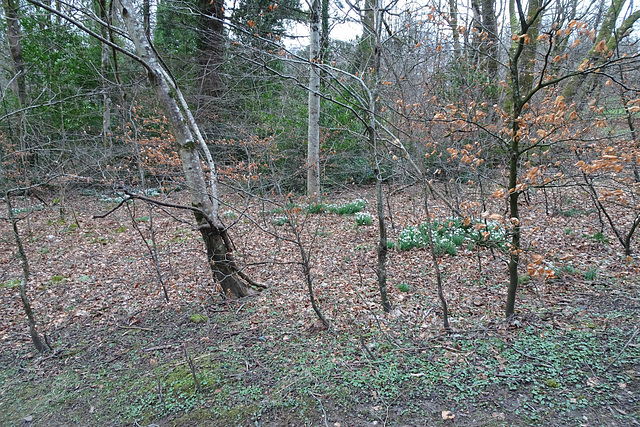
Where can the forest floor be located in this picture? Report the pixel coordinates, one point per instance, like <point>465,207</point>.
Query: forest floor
<point>124,356</point>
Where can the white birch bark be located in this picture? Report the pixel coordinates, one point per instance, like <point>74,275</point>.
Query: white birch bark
<point>189,139</point>
<point>313,138</point>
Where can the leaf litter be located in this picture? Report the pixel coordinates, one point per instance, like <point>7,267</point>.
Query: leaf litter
<point>109,311</point>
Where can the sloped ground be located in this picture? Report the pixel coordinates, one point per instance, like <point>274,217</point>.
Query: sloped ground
<point>124,356</point>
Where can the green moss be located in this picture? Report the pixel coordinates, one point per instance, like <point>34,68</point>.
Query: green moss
<point>198,318</point>
<point>552,383</point>
<point>524,279</point>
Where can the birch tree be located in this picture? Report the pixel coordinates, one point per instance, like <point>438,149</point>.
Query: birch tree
<point>204,197</point>
<point>190,144</point>
<point>313,138</point>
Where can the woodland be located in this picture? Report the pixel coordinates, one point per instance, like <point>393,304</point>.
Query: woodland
<point>323,213</point>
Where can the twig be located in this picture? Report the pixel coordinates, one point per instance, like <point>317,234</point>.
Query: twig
<point>122,202</point>
<point>324,413</point>
<point>135,327</point>
<point>192,367</point>
<point>159,347</point>
<point>241,307</point>
<point>366,349</point>
<point>542,361</point>
<point>621,351</point>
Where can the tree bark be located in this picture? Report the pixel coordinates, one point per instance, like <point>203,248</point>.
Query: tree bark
<point>26,303</point>
<point>14,36</point>
<point>324,39</point>
<point>528,58</point>
<point>210,46</point>
<point>313,138</point>
<point>104,70</point>
<point>183,126</point>
<point>373,25</point>
<point>491,43</point>
<point>453,23</point>
<point>436,266</point>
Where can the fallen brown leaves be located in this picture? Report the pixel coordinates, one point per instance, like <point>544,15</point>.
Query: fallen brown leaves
<point>99,272</point>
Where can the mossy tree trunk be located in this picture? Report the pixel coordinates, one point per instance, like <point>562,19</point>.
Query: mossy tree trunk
<point>188,139</point>
<point>605,44</point>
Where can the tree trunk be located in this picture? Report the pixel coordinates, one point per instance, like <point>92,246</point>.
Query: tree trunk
<point>313,141</point>
<point>382,244</point>
<point>528,58</point>
<point>210,46</point>
<point>324,39</point>
<point>104,71</point>
<point>436,266</point>
<point>14,36</point>
<point>183,126</point>
<point>373,25</point>
<point>453,23</point>
<point>607,34</point>
<point>516,72</point>
<point>146,18</point>
<point>26,303</point>
<point>491,43</point>
<point>365,54</point>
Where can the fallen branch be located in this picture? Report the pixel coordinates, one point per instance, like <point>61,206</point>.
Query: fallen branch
<point>542,361</point>
<point>136,327</point>
<point>122,202</point>
<point>621,351</point>
<point>159,347</point>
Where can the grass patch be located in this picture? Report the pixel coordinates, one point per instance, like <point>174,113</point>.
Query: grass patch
<point>198,318</point>
<point>403,287</point>
<point>58,279</point>
<point>277,375</point>
<point>279,221</point>
<point>591,274</point>
<point>599,237</point>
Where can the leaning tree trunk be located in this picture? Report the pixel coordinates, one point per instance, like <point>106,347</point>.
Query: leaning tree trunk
<point>188,139</point>
<point>26,303</point>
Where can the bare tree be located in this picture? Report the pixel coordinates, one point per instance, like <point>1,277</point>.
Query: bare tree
<point>26,302</point>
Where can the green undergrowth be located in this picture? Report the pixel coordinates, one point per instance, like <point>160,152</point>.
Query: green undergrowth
<point>348,208</point>
<point>355,207</point>
<point>537,375</point>
<point>450,234</point>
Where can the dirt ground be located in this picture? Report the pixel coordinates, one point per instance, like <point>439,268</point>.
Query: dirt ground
<point>123,355</point>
